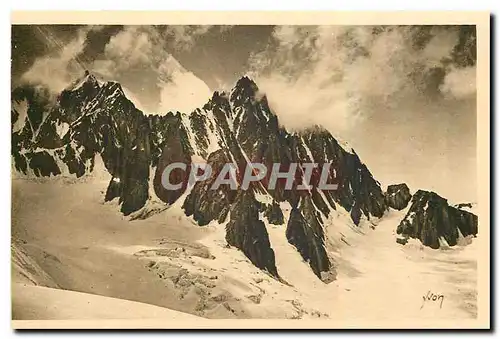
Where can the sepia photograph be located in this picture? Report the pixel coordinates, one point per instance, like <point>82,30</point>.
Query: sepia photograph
<point>270,170</point>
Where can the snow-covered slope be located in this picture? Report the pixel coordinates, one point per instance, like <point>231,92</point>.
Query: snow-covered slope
<point>43,303</point>
<point>168,261</point>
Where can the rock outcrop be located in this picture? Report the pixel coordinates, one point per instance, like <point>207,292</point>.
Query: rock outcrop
<point>305,232</point>
<point>274,214</point>
<point>206,204</point>
<point>431,220</point>
<point>398,196</point>
<point>248,233</point>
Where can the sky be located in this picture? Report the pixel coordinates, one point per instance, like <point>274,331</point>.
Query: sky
<point>404,97</point>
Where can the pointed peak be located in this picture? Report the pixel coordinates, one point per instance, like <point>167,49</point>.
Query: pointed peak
<point>87,78</point>
<point>246,82</point>
<point>219,95</point>
<point>245,89</point>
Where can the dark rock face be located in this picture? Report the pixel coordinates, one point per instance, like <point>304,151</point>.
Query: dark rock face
<point>176,149</point>
<point>430,218</point>
<point>274,214</point>
<point>398,196</point>
<point>402,241</point>
<point>43,164</point>
<point>64,134</point>
<point>358,192</point>
<point>246,232</point>
<point>463,205</point>
<point>206,204</point>
<point>305,232</point>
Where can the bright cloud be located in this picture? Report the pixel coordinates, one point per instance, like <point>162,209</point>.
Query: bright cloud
<point>460,82</point>
<point>333,73</point>
<point>57,69</point>
<point>138,58</point>
<point>137,55</point>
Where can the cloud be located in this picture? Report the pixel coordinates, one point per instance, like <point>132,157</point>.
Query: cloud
<point>184,91</point>
<point>137,57</point>
<point>337,74</point>
<point>460,82</point>
<point>184,37</point>
<point>130,47</point>
<point>57,69</point>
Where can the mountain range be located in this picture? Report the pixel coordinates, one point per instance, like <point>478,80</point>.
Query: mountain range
<point>64,134</point>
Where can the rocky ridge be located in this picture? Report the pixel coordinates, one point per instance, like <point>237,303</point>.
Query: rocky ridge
<point>435,223</point>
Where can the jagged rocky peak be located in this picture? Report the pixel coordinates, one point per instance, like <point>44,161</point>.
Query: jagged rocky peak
<point>87,80</point>
<point>246,94</point>
<point>398,196</point>
<point>89,87</point>
<point>435,223</point>
<point>244,87</point>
